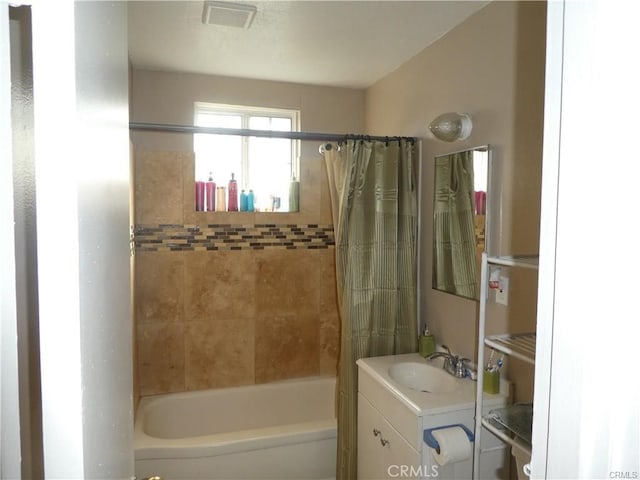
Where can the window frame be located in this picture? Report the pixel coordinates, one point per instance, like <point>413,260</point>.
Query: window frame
<point>245,113</point>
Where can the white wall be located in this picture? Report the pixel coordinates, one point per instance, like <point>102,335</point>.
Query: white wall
<point>82,164</point>
<point>102,109</point>
<point>587,414</point>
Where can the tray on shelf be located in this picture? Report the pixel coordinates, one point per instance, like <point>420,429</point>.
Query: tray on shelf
<point>513,421</point>
<point>519,345</point>
<point>525,261</point>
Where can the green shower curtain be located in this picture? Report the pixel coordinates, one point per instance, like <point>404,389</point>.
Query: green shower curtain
<point>374,203</point>
<point>454,239</point>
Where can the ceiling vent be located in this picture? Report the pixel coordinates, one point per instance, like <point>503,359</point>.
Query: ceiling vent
<point>228,14</point>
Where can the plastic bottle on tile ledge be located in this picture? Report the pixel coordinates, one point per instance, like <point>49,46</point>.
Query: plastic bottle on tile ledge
<point>243,201</point>
<point>294,195</point>
<point>233,194</point>
<point>250,201</point>
<point>210,194</point>
<point>199,196</point>
<point>221,204</point>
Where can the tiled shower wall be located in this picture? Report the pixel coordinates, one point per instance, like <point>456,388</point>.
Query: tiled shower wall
<point>226,299</point>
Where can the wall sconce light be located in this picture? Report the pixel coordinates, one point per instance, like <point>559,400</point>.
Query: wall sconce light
<point>451,126</point>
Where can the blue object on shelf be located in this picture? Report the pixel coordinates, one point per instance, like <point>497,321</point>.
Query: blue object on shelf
<point>250,199</point>
<point>243,201</point>
<point>430,440</point>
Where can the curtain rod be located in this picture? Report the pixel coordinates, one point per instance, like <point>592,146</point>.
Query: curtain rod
<point>244,132</point>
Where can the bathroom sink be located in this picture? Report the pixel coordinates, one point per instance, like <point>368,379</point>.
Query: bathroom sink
<point>423,377</point>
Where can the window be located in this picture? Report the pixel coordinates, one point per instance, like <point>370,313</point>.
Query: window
<point>265,165</point>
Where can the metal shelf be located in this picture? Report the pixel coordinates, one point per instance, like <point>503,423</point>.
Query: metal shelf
<point>511,424</point>
<point>519,345</point>
<point>505,435</point>
<point>524,261</point>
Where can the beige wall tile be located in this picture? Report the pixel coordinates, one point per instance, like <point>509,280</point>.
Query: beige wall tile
<point>219,284</point>
<point>161,358</point>
<point>159,287</point>
<point>329,340</point>
<point>329,343</point>
<point>158,187</point>
<point>219,353</point>
<point>219,293</point>
<point>287,282</point>
<point>286,346</point>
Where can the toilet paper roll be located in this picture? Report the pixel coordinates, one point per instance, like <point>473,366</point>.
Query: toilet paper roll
<point>454,445</point>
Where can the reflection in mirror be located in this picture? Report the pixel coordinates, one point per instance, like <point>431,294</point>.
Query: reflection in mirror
<point>459,220</point>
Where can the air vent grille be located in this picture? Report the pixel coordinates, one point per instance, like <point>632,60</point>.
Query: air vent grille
<point>228,14</point>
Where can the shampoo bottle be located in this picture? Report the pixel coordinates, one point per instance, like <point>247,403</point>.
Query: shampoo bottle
<point>199,196</point>
<point>426,343</point>
<point>294,195</point>
<point>243,201</point>
<point>233,195</point>
<point>250,201</point>
<point>220,200</point>
<point>211,194</point>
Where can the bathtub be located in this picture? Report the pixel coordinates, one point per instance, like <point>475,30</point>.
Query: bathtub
<point>281,430</point>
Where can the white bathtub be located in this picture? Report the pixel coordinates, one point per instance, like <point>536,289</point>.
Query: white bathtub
<point>282,430</point>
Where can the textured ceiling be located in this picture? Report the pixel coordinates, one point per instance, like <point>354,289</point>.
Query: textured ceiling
<point>339,43</point>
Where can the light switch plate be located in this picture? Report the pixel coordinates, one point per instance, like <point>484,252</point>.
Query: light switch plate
<point>502,294</point>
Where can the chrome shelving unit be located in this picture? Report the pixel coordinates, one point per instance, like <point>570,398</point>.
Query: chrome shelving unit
<point>519,345</point>
<point>512,424</point>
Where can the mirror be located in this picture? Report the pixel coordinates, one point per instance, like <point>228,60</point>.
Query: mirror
<point>459,220</point>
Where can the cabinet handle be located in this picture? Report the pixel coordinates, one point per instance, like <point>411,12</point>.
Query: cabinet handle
<point>383,441</point>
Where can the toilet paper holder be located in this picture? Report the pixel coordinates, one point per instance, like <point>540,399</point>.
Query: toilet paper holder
<point>430,440</point>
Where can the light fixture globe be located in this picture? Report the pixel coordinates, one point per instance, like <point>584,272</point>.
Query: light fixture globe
<point>451,126</point>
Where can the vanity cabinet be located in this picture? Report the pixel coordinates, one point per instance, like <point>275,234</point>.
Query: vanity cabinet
<point>511,424</point>
<point>392,420</point>
<point>382,450</point>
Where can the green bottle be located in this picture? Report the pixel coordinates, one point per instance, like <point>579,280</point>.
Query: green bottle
<point>426,343</point>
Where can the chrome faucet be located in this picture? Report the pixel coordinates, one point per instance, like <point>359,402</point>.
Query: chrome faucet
<point>453,364</point>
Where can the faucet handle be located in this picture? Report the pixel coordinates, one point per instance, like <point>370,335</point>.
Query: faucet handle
<point>461,369</point>
<point>447,349</point>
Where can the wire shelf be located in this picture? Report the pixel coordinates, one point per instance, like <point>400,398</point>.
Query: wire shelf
<point>512,424</point>
<point>524,261</point>
<point>519,345</point>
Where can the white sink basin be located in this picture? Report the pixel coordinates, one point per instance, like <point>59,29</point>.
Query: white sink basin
<point>423,377</point>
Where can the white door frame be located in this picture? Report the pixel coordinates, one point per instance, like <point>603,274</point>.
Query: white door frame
<point>81,147</point>
<point>9,404</point>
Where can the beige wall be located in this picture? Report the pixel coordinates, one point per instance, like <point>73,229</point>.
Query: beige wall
<point>167,97</point>
<point>491,66</point>
<point>207,319</point>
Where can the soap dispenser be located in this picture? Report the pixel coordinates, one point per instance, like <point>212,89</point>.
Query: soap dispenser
<point>426,343</point>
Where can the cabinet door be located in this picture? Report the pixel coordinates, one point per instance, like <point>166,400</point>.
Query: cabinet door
<point>382,451</point>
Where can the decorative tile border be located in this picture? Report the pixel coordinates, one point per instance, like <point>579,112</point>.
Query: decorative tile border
<point>162,238</point>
